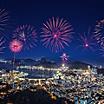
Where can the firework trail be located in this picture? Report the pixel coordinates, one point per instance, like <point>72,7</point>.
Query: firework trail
<point>2,42</point>
<point>101,52</point>
<point>4,17</point>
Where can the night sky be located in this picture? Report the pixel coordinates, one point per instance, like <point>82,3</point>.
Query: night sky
<point>81,14</point>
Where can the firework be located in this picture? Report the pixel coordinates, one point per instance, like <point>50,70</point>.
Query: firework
<point>2,42</point>
<point>15,46</point>
<point>64,57</point>
<point>87,40</point>
<point>3,19</point>
<point>26,34</point>
<point>101,53</point>
<point>56,34</point>
<point>99,32</point>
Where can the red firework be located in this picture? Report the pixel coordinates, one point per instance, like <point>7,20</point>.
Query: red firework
<point>56,34</point>
<point>26,34</point>
<point>16,46</point>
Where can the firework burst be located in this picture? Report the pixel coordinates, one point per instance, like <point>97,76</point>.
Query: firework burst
<point>15,46</point>
<point>26,34</point>
<point>87,40</point>
<point>64,57</point>
<point>4,17</point>
<point>56,34</point>
<point>99,32</point>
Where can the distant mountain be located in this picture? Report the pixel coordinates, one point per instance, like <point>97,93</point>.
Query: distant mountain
<point>78,65</point>
<point>45,62</point>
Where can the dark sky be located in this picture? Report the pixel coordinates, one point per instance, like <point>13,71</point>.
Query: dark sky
<point>80,13</point>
